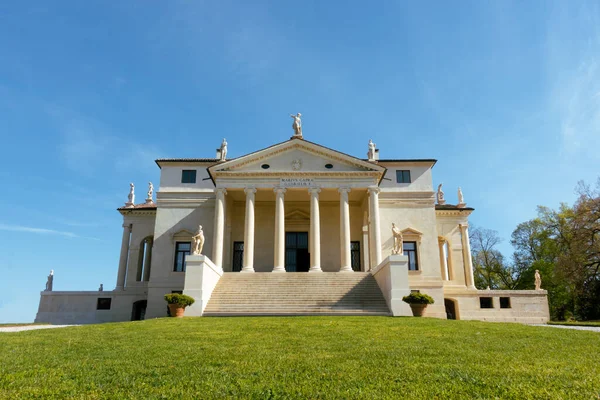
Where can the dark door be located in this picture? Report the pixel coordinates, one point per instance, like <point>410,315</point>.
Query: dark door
<point>297,258</point>
<point>450,309</point>
<point>139,310</point>
<point>238,256</point>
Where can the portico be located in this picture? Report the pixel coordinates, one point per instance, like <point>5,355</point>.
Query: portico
<point>260,219</point>
<point>295,186</point>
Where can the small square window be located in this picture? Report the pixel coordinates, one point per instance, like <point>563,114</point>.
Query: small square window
<point>188,176</point>
<point>504,302</point>
<point>403,176</point>
<point>103,303</point>
<point>486,302</point>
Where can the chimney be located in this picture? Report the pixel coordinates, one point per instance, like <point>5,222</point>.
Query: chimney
<point>376,154</point>
<point>218,157</point>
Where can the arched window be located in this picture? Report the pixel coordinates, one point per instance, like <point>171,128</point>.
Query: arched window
<point>144,260</point>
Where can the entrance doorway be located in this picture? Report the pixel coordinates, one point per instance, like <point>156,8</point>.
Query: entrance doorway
<point>297,258</point>
<point>450,308</point>
<point>138,312</point>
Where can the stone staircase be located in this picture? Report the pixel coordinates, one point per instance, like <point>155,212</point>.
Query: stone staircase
<point>296,293</point>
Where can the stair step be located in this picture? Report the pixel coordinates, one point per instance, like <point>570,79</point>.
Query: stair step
<point>296,293</point>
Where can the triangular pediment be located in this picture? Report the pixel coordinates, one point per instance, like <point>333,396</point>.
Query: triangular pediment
<point>296,155</point>
<point>297,215</point>
<point>411,232</point>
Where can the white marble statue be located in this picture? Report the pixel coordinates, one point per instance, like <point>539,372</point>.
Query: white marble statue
<point>101,288</point>
<point>223,150</point>
<point>440,195</point>
<point>198,241</point>
<point>538,280</point>
<point>397,249</point>
<point>461,199</point>
<point>131,196</point>
<point>150,192</point>
<point>297,125</point>
<point>371,152</point>
<point>50,281</point>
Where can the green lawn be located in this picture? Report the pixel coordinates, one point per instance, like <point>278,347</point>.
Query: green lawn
<point>300,357</point>
<point>575,323</point>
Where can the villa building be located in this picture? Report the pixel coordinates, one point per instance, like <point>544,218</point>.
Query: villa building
<point>295,228</point>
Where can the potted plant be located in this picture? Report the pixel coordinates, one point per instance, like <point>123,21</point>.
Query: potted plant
<point>177,303</point>
<point>418,302</point>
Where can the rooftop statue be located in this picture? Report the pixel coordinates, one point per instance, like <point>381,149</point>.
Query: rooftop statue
<point>440,195</point>
<point>461,199</point>
<point>198,241</point>
<point>223,150</point>
<point>297,125</point>
<point>371,152</point>
<point>50,281</point>
<point>397,240</point>
<point>150,192</point>
<point>131,196</point>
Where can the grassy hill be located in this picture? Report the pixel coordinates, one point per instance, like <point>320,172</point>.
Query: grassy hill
<point>300,357</point>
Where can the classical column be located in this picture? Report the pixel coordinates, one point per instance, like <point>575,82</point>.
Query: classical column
<point>279,258</point>
<point>148,259</point>
<point>315,231</point>
<point>248,263</point>
<point>467,260</point>
<point>345,259</point>
<point>219,232</point>
<point>124,256</point>
<point>376,235</point>
<point>443,265</point>
<point>365,243</point>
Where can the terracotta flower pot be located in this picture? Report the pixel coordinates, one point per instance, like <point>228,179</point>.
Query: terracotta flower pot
<point>418,309</point>
<point>176,310</point>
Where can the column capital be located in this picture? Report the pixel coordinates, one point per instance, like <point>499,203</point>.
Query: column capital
<point>344,190</point>
<point>314,190</point>
<point>463,227</point>
<point>279,190</point>
<point>221,190</point>
<point>127,226</point>
<point>250,190</point>
<point>374,189</point>
<point>442,239</point>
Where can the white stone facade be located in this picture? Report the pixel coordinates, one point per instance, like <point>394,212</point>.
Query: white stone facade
<point>345,206</point>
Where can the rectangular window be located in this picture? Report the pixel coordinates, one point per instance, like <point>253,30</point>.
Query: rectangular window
<point>410,250</point>
<point>188,176</point>
<point>181,250</point>
<point>403,176</point>
<point>103,303</point>
<point>504,302</point>
<point>486,302</point>
<point>238,256</point>
<point>355,255</point>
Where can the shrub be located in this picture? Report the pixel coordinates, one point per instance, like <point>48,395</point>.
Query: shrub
<point>418,298</point>
<point>182,300</point>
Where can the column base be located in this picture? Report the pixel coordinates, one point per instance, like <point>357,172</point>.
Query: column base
<point>347,268</point>
<point>316,268</point>
<point>278,269</point>
<point>247,269</point>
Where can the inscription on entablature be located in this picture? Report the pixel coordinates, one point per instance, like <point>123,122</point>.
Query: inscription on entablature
<point>296,182</point>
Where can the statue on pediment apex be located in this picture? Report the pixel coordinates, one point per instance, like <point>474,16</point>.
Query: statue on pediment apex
<point>297,125</point>
<point>223,150</point>
<point>371,152</point>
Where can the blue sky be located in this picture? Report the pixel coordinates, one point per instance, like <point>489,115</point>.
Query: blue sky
<point>506,95</point>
